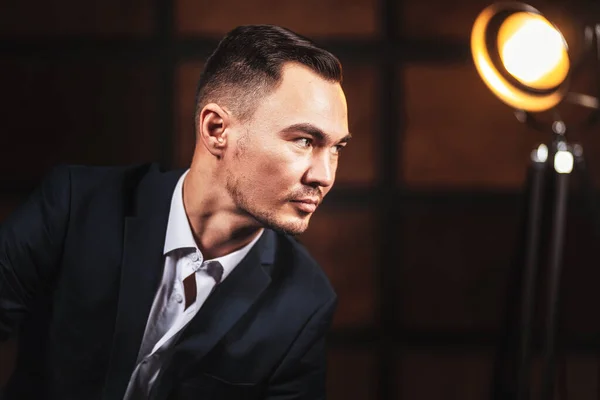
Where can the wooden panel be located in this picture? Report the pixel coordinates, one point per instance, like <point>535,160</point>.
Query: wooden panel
<point>475,374</point>
<point>351,374</point>
<point>579,293</point>
<point>585,80</point>
<point>579,376</point>
<point>311,17</point>
<point>358,161</point>
<point>65,17</point>
<point>343,242</point>
<point>446,375</point>
<point>462,263</point>
<point>184,140</point>
<point>458,135</point>
<point>465,285</point>
<point>450,19</point>
<point>455,263</point>
<point>430,375</point>
<point>76,112</point>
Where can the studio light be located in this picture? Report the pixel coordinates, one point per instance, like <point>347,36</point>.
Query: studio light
<point>521,56</point>
<point>524,59</point>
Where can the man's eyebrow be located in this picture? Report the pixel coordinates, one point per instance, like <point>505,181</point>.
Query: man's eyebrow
<point>312,130</point>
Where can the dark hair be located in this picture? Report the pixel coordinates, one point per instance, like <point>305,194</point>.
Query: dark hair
<point>247,64</point>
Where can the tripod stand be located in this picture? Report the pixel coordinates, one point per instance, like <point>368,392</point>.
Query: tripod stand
<point>534,87</point>
<point>556,164</point>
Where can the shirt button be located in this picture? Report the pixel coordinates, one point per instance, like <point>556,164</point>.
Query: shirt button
<point>194,256</point>
<point>178,298</point>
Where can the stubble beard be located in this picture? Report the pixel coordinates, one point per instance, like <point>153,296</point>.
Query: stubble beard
<point>266,217</point>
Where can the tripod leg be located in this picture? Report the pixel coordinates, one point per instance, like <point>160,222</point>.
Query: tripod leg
<point>529,276</point>
<point>555,267</point>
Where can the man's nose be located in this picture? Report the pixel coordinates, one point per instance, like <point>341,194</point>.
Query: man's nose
<point>321,171</point>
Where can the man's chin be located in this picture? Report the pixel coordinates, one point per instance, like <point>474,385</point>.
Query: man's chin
<point>291,226</point>
<point>289,221</point>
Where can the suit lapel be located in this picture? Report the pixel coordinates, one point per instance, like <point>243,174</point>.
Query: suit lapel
<point>221,310</point>
<point>232,298</point>
<point>140,275</point>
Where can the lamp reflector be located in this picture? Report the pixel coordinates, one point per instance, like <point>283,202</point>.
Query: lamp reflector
<point>522,58</point>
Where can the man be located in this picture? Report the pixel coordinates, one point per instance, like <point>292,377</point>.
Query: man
<point>141,284</point>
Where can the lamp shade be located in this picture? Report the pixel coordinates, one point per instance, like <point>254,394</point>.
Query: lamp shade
<point>521,56</point>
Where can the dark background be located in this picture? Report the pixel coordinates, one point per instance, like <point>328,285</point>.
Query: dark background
<point>420,234</point>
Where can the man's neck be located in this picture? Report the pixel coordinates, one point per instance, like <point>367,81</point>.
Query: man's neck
<point>218,228</point>
<point>219,241</point>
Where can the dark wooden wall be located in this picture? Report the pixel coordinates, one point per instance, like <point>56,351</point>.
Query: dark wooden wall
<point>419,236</point>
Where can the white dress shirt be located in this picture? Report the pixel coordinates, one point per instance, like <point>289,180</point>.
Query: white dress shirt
<point>168,315</point>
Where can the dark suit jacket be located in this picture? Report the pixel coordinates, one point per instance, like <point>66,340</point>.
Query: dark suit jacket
<point>80,262</point>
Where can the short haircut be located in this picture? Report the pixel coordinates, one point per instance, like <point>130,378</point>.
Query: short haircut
<point>247,65</point>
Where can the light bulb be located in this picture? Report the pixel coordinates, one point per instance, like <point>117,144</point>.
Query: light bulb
<point>533,51</point>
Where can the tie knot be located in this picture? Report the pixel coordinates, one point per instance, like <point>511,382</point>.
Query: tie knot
<point>215,269</point>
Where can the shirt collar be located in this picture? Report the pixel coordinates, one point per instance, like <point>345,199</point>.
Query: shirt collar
<point>231,260</point>
<point>179,233</point>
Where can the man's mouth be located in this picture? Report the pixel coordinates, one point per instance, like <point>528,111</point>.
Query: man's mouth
<point>306,204</point>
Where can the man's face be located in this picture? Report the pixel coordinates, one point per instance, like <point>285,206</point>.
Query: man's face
<point>284,159</point>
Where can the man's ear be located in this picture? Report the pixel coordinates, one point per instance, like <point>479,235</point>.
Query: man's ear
<point>213,122</point>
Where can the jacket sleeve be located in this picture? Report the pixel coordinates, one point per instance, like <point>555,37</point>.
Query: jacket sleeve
<point>31,243</point>
<point>302,373</point>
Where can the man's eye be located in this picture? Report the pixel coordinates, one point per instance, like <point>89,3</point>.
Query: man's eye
<point>304,142</point>
<point>337,149</point>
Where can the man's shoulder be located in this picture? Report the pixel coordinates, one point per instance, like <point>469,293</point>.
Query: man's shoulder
<point>85,180</point>
<point>93,189</point>
<point>89,175</point>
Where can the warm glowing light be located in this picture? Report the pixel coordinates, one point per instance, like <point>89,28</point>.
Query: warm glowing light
<point>533,51</point>
<point>514,39</point>
<point>563,162</point>
<point>542,153</point>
